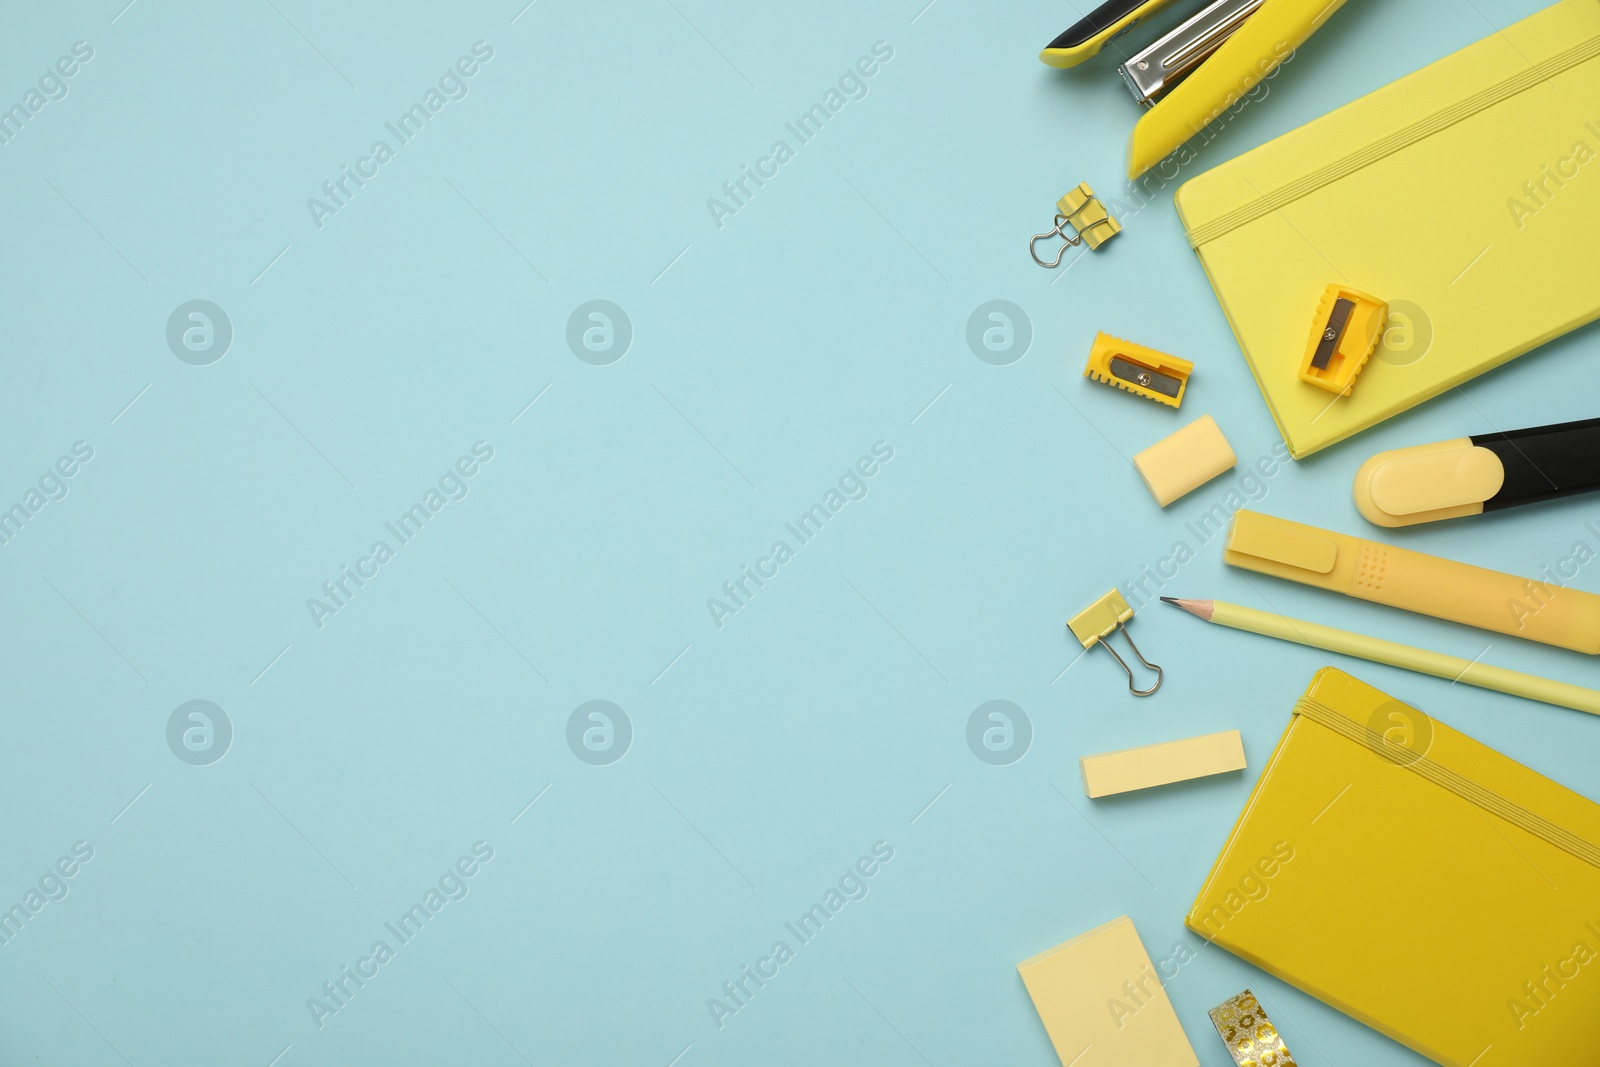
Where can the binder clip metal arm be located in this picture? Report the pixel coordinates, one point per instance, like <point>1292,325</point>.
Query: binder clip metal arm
<point>1094,624</point>
<point>1091,222</point>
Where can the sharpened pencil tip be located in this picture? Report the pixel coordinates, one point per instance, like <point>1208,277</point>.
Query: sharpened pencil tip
<point>1200,608</point>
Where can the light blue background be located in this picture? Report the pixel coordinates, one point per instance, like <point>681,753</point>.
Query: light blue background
<point>768,354</point>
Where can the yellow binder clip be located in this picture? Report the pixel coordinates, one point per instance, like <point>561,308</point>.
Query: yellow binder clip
<point>1141,371</point>
<point>1083,212</point>
<point>1095,623</point>
<point>1344,334</point>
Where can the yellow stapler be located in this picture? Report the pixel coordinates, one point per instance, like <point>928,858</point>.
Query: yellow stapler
<point>1084,39</point>
<point>1192,75</point>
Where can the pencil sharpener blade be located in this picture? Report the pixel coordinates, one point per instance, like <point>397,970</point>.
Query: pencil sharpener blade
<point>1345,331</point>
<point>1139,370</point>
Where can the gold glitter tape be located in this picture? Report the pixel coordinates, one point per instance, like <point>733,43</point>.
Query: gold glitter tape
<point>1251,1038</point>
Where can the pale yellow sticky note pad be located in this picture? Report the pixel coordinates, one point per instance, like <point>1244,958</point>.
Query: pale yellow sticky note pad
<point>1153,765</point>
<point>1102,1002</point>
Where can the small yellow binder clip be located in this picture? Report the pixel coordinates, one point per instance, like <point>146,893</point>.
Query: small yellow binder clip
<point>1095,623</point>
<point>1344,334</point>
<point>1080,210</point>
<point>1141,371</point>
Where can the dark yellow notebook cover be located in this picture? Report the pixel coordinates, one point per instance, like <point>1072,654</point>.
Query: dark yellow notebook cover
<point>1419,881</point>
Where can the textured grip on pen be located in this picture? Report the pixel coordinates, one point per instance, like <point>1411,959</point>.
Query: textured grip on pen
<point>1371,566</point>
<point>1476,596</point>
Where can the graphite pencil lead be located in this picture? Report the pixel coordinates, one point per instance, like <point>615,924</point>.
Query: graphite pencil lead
<point>1200,608</point>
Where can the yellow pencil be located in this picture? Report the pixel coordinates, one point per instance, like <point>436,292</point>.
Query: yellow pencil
<point>1378,650</point>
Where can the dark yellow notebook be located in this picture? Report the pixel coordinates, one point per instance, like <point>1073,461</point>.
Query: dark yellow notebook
<point>1419,881</point>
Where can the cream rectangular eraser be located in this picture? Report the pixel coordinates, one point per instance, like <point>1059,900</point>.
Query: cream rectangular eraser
<point>1178,465</point>
<point>1102,1002</point>
<point>1175,761</point>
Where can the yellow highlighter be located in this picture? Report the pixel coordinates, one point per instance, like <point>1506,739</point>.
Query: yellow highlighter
<point>1415,581</point>
<point>1472,475</point>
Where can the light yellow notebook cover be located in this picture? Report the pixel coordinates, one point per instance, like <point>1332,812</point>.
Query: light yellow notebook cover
<point>1467,195</point>
<point>1418,881</point>
<point>1103,1004</point>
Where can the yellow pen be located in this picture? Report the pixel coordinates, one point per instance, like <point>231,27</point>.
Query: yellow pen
<point>1415,581</point>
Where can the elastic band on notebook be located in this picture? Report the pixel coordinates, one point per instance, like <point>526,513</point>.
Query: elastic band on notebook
<point>1443,776</point>
<point>1403,138</point>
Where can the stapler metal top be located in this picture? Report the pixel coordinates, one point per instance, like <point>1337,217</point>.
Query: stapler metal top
<point>1193,74</point>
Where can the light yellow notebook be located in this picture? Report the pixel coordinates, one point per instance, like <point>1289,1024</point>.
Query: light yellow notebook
<point>1467,195</point>
<point>1103,1004</point>
<point>1419,881</point>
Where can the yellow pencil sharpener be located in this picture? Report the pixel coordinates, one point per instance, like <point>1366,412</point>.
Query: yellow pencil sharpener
<point>1344,334</point>
<point>1141,371</point>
